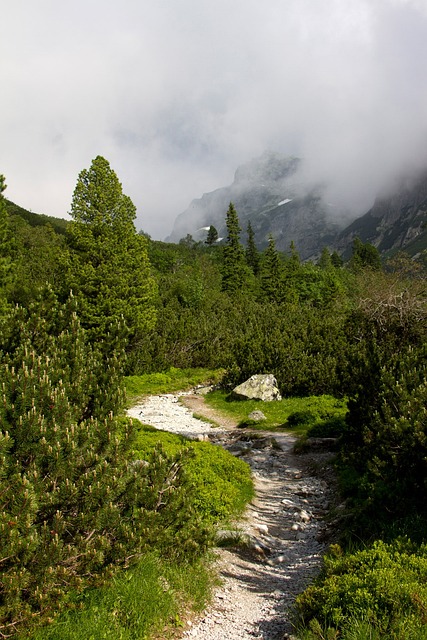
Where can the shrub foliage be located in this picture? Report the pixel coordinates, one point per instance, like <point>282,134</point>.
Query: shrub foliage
<point>74,507</point>
<point>383,585</point>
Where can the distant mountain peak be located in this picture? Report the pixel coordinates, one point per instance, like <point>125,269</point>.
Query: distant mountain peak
<point>270,167</point>
<point>265,191</point>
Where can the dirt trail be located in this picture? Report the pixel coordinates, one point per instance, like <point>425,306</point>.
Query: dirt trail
<point>284,524</point>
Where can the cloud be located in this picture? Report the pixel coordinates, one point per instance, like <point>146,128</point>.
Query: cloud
<point>177,94</point>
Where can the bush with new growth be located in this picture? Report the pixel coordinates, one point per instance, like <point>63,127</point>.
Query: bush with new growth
<point>74,506</point>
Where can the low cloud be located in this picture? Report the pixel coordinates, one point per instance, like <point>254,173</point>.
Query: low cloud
<point>177,95</point>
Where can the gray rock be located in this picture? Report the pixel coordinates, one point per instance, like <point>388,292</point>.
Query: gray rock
<point>261,386</point>
<point>257,415</point>
<point>203,391</point>
<point>264,443</point>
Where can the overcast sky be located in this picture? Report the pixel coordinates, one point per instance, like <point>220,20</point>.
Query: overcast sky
<point>175,94</point>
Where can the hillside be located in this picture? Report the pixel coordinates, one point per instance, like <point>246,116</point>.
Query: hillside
<point>36,219</point>
<point>397,221</point>
<point>269,192</point>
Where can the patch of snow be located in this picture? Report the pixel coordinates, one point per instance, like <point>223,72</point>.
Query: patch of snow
<point>284,201</point>
<point>203,229</point>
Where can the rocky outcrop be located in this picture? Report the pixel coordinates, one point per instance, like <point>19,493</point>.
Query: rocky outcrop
<point>397,221</point>
<point>270,192</point>
<point>258,387</point>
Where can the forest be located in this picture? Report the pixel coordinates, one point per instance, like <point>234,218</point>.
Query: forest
<point>91,304</point>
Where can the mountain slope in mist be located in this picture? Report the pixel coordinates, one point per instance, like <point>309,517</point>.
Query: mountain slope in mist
<point>268,192</point>
<point>271,193</point>
<point>397,221</point>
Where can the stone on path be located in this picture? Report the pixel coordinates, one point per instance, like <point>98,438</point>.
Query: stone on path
<point>257,415</point>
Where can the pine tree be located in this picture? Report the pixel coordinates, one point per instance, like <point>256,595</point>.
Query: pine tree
<point>212,236</point>
<point>234,268</point>
<point>291,275</point>
<point>336,259</point>
<point>110,271</point>
<point>294,261</point>
<point>252,253</point>
<point>364,256</point>
<point>325,261</point>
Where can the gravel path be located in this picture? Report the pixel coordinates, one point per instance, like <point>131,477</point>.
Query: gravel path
<point>283,526</point>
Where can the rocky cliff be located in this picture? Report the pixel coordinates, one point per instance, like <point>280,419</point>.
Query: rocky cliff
<point>397,221</point>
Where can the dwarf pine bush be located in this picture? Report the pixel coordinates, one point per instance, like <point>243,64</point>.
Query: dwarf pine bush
<point>73,505</point>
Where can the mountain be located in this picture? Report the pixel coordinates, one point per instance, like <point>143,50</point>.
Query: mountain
<point>397,221</point>
<point>268,192</point>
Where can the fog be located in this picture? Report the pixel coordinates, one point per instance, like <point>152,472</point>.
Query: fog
<point>176,94</point>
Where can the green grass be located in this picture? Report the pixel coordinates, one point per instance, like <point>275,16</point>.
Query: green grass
<point>298,415</point>
<point>169,381</point>
<point>147,601</point>
<point>221,482</point>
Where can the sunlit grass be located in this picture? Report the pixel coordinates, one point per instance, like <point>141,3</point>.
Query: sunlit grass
<point>298,415</point>
<point>147,601</point>
<point>222,483</point>
<point>169,382</point>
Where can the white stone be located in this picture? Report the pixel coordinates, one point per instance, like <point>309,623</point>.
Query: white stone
<point>262,528</point>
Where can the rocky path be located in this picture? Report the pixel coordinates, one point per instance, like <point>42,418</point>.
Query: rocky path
<point>283,527</point>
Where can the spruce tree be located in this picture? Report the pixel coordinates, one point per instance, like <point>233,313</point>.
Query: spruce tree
<point>364,256</point>
<point>336,259</point>
<point>234,268</point>
<point>251,253</point>
<point>109,271</point>
<point>294,261</point>
<point>212,236</point>
<point>272,273</point>
<point>325,261</point>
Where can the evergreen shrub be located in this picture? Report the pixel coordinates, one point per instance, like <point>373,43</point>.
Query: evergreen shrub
<point>74,505</point>
<point>384,585</point>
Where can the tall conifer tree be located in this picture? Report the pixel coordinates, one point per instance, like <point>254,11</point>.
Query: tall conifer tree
<point>234,269</point>
<point>111,277</point>
<point>272,273</point>
<point>212,236</point>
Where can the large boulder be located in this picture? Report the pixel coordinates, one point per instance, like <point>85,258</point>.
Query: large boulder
<point>261,386</point>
